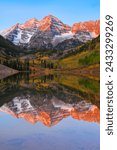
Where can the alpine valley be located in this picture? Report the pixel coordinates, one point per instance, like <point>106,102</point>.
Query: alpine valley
<point>49,44</point>
<point>49,75</point>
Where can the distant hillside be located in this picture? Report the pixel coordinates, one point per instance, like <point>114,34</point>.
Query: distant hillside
<point>83,56</point>
<point>8,49</point>
<point>84,59</point>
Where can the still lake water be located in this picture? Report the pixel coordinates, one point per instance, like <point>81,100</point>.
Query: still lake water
<point>54,112</point>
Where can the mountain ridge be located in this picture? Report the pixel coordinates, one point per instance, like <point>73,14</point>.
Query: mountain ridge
<point>51,113</point>
<point>50,30</point>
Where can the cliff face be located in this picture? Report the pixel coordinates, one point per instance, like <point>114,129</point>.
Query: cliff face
<point>93,115</point>
<point>90,26</point>
<point>51,111</point>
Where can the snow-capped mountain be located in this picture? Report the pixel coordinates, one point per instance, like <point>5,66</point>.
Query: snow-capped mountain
<point>50,112</point>
<point>49,32</point>
<point>18,35</point>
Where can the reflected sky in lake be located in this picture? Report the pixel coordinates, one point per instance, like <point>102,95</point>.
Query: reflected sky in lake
<point>68,134</point>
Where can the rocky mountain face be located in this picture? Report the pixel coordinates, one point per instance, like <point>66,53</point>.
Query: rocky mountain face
<point>49,32</point>
<point>90,26</point>
<point>50,111</point>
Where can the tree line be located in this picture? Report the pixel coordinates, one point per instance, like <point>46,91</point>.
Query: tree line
<point>17,64</point>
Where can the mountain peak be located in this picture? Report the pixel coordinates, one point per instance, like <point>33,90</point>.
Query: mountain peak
<point>51,22</point>
<point>52,18</point>
<point>31,23</point>
<point>32,20</point>
<point>88,26</point>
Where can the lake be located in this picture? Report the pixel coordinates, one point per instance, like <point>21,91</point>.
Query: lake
<point>49,112</point>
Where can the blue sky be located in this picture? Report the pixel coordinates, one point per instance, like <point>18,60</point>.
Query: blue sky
<point>68,11</point>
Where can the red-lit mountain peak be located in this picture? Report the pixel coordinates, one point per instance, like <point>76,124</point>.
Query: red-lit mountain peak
<point>32,23</point>
<point>53,23</point>
<point>89,26</point>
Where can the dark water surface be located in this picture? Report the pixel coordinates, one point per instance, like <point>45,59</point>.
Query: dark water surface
<point>54,112</point>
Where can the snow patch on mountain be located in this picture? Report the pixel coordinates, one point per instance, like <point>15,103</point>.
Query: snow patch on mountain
<point>60,38</point>
<point>60,104</point>
<point>93,34</point>
<point>17,37</point>
<point>22,104</point>
<point>82,36</point>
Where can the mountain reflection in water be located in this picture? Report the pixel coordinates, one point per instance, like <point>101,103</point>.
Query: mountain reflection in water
<point>50,111</point>
<point>50,99</point>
